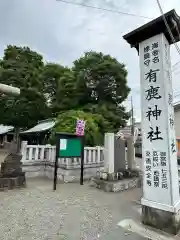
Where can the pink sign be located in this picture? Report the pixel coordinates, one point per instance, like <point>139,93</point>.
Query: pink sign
<point>80,126</point>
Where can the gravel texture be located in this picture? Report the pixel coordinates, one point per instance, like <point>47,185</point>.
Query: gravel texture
<point>72,212</point>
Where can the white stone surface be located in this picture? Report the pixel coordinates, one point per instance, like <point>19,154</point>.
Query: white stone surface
<point>133,226</point>
<point>66,175</point>
<point>109,152</point>
<point>160,161</point>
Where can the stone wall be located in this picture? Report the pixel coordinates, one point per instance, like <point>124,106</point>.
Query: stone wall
<point>64,173</point>
<point>38,161</point>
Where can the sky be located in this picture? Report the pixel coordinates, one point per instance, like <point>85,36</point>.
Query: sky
<point>63,32</point>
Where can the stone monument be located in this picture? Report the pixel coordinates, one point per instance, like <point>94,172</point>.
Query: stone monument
<point>118,174</point>
<point>161,199</point>
<point>11,175</point>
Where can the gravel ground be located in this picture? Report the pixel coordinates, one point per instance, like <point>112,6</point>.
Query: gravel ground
<point>72,212</point>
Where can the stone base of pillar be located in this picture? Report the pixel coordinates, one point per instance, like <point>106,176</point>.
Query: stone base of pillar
<point>160,219</point>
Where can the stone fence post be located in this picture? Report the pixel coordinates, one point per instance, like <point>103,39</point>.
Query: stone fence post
<point>24,150</point>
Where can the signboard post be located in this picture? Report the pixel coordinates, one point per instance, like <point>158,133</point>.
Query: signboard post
<point>80,127</point>
<point>161,199</point>
<point>68,146</point>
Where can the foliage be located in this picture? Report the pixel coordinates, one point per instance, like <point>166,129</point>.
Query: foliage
<point>23,111</point>
<point>50,78</point>
<point>66,94</point>
<point>94,130</point>
<point>93,89</point>
<point>21,68</point>
<point>102,87</point>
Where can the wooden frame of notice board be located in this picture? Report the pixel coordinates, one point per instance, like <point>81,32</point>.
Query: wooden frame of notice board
<point>67,146</point>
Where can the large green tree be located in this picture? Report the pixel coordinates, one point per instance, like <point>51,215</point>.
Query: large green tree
<point>95,87</point>
<point>21,67</point>
<point>101,87</point>
<point>96,83</point>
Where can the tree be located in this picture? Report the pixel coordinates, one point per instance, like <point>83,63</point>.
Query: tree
<point>95,86</point>
<point>101,87</point>
<point>94,130</point>
<point>50,77</point>
<point>21,68</point>
<point>66,97</point>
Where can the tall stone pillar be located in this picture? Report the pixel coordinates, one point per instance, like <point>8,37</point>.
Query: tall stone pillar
<point>119,155</point>
<point>131,153</point>
<point>161,199</point>
<point>114,154</point>
<point>109,153</point>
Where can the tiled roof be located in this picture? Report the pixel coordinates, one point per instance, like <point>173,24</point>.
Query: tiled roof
<point>4,129</point>
<point>42,126</point>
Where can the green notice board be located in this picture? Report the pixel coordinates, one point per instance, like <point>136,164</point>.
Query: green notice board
<point>70,147</point>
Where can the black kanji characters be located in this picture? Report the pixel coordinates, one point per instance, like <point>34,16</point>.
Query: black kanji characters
<point>155,45</point>
<point>164,178</point>
<point>173,146</point>
<point>147,62</point>
<point>155,53</point>
<point>155,159</point>
<point>148,168</point>
<point>151,76</point>
<point>147,56</point>
<point>148,160</point>
<point>164,185</point>
<point>153,113</point>
<point>148,154</point>
<point>170,99</point>
<point>156,178</point>
<point>149,182</point>
<point>171,121</point>
<point>146,49</point>
<point>155,60</point>
<point>153,93</point>
<point>163,159</point>
<point>148,175</point>
<point>154,134</point>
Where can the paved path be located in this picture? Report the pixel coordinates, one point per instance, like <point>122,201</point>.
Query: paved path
<point>73,212</point>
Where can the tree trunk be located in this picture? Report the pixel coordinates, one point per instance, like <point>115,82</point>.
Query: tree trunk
<point>17,139</point>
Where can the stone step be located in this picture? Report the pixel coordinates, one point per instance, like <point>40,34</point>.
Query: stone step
<point>12,182</point>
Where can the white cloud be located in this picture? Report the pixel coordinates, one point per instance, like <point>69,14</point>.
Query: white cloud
<point>62,32</point>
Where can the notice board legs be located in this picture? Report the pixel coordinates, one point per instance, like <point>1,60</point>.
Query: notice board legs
<point>55,173</point>
<point>82,161</point>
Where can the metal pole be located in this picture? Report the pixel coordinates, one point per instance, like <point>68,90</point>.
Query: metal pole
<point>55,174</point>
<point>56,162</point>
<point>82,161</point>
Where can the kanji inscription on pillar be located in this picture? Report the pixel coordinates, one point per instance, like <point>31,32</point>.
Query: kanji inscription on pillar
<point>159,142</point>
